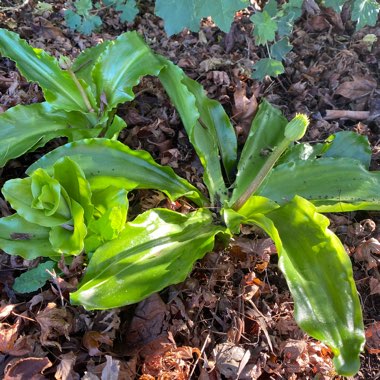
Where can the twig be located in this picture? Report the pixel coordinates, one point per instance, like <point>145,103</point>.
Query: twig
<point>346,114</point>
<point>15,8</point>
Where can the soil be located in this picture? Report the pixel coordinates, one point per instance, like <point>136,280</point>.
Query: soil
<point>232,317</point>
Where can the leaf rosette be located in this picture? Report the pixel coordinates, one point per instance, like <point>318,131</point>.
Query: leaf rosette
<point>43,200</point>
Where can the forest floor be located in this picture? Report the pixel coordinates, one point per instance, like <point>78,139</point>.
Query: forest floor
<point>232,317</point>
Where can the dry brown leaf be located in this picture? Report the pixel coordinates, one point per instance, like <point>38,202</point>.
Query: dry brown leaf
<point>244,107</point>
<point>295,355</point>
<point>228,358</point>
<point>173,364</point>
<point>92,341</point>
<point>54,323</point>
<point>365,250</point>
<point>372,335</point>
<point>8,336</point>
<point>65,367</point>
<point>374,285</point>
<point>149,321</point>
<point>26,368</point>
<point>359,87</point>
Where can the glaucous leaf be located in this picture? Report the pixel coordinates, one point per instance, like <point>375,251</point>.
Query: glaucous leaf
<point>85,62</point>
<point>59,87</point>
<point>38,199</point>
<point>26,128</point>
<point>68,238</point>
<point>71,177</point>
<point>331,184</point>
<point>111,163</point>
<point>119,68</point>
<point>109,218</point>
<point>28,240</point>
<point>319,275</point>
<point>202,137</point>
<point>157,249</point>
<point>213,116</point>
<point>345,144</point>
<point>267,131</point>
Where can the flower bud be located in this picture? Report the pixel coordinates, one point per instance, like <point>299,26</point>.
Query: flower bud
<point>296,128</point>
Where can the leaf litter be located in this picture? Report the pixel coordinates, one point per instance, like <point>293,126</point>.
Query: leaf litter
<point>232,317</point>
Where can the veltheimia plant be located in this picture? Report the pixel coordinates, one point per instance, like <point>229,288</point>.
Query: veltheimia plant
<point>81,97</point>
<point>80,189</point>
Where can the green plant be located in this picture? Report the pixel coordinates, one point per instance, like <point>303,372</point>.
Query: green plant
<point>85,19</point>
<point>75,199</point>
<point>273,25</point>
<point>81,98</point>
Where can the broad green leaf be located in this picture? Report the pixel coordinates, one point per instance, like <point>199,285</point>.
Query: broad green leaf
<point>34,279</point>
<point>203,137</point>
<point>68,238</point>
<point>118,124</point>
<point>110,216</point>
<point>258,205</point>
<point>280,48</point>
<point>111,163</point>
<point>157,249</point>
<point>71,177</point>
<point>119,68</point>
<point>319,275</point>
<point>26,128</point>
<point>38,199</point>
<point>180,14</point>
<point>332,184</point>
<point>264,27</point>
<point>267,66</point>
<point>37,66</point>
<point>28,240</point>
<point>345,144</point>
<point>365,12</point>
<point>85,62</point>
<point>213,116</point>
<point>266,132</point>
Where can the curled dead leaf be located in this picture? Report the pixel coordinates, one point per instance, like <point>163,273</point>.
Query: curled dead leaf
<point>65,367</point>
<point>175,363</point>
<point>357,88</point>
<point>26,368</point>
<point>365,251</point>
<point>54,323</point>
<point>92,341</point>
